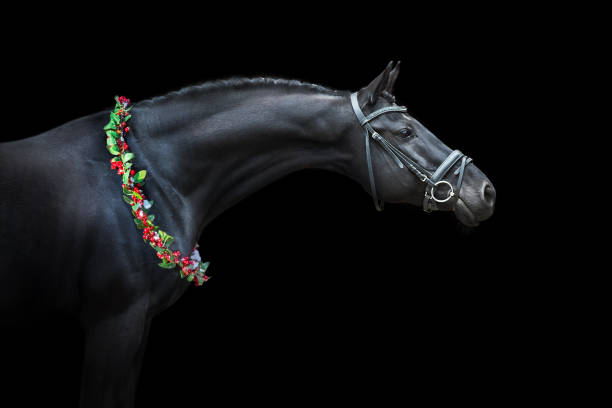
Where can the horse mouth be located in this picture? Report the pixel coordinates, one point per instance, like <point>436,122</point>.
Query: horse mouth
<point>464,214</point>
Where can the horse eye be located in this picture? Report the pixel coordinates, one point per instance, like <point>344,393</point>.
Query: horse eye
<point>406,133</point>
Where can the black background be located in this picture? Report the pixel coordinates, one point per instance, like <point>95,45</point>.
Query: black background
<point>315,296</point>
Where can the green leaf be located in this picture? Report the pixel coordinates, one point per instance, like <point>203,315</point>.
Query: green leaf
<point>127,166</point>
<point>127,157</point>
<point>136,195</point>
<point>115,118</point>
<point>162,250</point>
<point>127,191</point>
<point>126,178</point>
<point>166,239</point>
<point>110,141</point>
<point>129,109</point>
<point>190,277</point>
<point>204,266</point>
<point>127,118</point>
<point>151,218</point>
<point>113,149</point>
<point>138,223</point>
<point>140,176</point>
<point>127,199</point>
<point>135,207</point>
<point>112,133</point>
<point>167,265</point>
<point>115,159</point>
<point>109,125</point>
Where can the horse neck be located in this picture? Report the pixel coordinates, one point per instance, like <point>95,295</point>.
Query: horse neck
<point>208,153</point>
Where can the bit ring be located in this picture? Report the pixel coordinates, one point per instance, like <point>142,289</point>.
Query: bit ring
<point>451,193</point>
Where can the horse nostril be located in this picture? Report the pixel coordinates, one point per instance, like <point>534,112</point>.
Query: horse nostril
<point>488,194</point>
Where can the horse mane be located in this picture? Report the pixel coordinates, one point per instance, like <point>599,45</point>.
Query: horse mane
<point>240,83</point>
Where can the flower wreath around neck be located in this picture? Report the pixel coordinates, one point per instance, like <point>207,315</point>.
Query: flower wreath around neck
<point>190,267</point>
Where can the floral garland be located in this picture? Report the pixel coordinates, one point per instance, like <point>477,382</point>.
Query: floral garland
<point>190,267</point>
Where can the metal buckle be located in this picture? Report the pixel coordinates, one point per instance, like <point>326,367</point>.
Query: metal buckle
<point>451,193</point>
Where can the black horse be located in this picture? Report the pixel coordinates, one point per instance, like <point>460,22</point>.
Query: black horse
<point>205,148</point>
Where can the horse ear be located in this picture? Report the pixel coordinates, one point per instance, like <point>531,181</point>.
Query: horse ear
<point>378,85</point>
<point>393,77</point>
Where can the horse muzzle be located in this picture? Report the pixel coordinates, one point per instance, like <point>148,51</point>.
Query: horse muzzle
<point>475,205</point>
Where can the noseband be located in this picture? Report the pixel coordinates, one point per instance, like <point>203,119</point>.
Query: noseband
<point>432,180</point>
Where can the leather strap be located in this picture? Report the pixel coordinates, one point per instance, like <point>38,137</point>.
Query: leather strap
<point>381,111</point>
<point>355,103</point>
<point>446,165</point>
<point>419,171</point>
<point>363,121</point>
<point>379,204</point>
<point>464,162</point>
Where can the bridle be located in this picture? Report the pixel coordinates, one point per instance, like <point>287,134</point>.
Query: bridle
<point>433,180</point>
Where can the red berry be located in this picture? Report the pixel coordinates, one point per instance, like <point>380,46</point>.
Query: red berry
<point>127,129</point>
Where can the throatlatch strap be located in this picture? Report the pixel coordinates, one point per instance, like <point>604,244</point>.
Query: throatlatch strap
<point>377,202</point>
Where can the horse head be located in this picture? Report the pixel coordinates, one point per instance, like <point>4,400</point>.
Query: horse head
<point>407,163</point>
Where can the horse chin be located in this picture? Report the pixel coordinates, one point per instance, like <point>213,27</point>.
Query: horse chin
<point>465,215</point>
